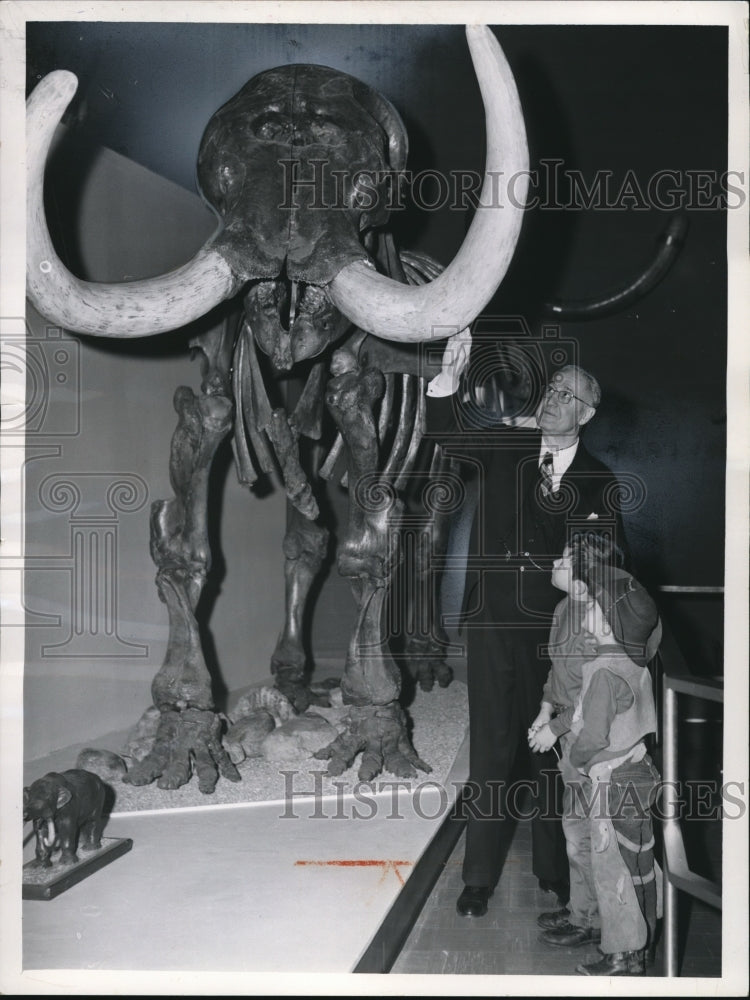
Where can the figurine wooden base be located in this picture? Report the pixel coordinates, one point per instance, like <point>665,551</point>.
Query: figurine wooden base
<point>46,883</point>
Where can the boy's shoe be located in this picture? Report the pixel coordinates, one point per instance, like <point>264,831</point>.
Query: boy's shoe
<point>551,921</point>
<point>648,953</point>
<point>567,935</point>
<point>618,963</point>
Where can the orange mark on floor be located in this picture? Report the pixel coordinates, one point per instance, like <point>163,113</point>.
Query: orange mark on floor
<point>362,863</point>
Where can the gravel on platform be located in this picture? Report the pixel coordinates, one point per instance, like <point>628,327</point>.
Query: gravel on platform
<point>440,721</point>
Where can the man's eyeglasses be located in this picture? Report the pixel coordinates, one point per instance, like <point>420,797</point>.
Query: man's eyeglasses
<point>565,395</point>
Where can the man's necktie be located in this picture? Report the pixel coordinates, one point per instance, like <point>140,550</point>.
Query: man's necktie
<point>545,471</point>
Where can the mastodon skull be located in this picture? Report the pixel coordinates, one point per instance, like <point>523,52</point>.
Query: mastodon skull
<point>299,166</point>
<point>269,232</point>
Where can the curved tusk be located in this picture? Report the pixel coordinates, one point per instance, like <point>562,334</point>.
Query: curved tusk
<point>669,245</point>
<point>128,309</point>
<point>451,302</point>
<point>51,835</point>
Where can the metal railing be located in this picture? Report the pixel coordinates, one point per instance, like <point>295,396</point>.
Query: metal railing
<point>678,875</point>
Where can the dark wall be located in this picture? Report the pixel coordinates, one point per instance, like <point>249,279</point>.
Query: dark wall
<point>604,101</point>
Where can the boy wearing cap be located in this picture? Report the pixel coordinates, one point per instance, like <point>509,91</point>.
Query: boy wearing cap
<point>609,778</point>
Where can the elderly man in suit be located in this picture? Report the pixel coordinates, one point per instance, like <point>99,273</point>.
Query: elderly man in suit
<point>536,483</point>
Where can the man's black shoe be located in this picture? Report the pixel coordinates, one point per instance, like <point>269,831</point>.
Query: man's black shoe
<point>561,889</point>
<point>473,900</point>
<point>567,935</point>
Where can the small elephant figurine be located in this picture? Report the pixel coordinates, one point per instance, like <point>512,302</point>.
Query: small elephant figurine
<point>61,806</point>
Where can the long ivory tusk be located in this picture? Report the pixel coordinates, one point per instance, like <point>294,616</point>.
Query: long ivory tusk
<point>449,303</point>
<point>669,245</point>
<point>127,309</point>
<point>51,835</point>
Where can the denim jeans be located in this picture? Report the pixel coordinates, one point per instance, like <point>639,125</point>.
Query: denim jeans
<point>625,873</point>
<point>577,797</point>
<point>614,880</point>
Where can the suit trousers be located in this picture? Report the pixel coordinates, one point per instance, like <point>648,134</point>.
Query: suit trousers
<point>506,677</point>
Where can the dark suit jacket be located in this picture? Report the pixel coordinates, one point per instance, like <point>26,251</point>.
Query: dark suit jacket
<point>517,532</point>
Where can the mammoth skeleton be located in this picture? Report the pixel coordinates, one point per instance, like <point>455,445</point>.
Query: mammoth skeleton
<point>318,287</point>
<point>300,167</point>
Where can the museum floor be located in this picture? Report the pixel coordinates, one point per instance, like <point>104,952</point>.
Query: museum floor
<point>504,942</point>
<point>239,898</point>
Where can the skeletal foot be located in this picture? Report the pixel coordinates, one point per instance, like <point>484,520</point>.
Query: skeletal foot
<point>185,741</point>
<point>431,671</point>
<point>379,733</point>
<point>290,680</point>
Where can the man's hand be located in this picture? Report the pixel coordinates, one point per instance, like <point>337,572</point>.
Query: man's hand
<point>455,358</point>
<point>542,739</point>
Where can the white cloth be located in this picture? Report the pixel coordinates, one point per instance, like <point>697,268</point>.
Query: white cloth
<point>455,359</point>
<point>441,385</point>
